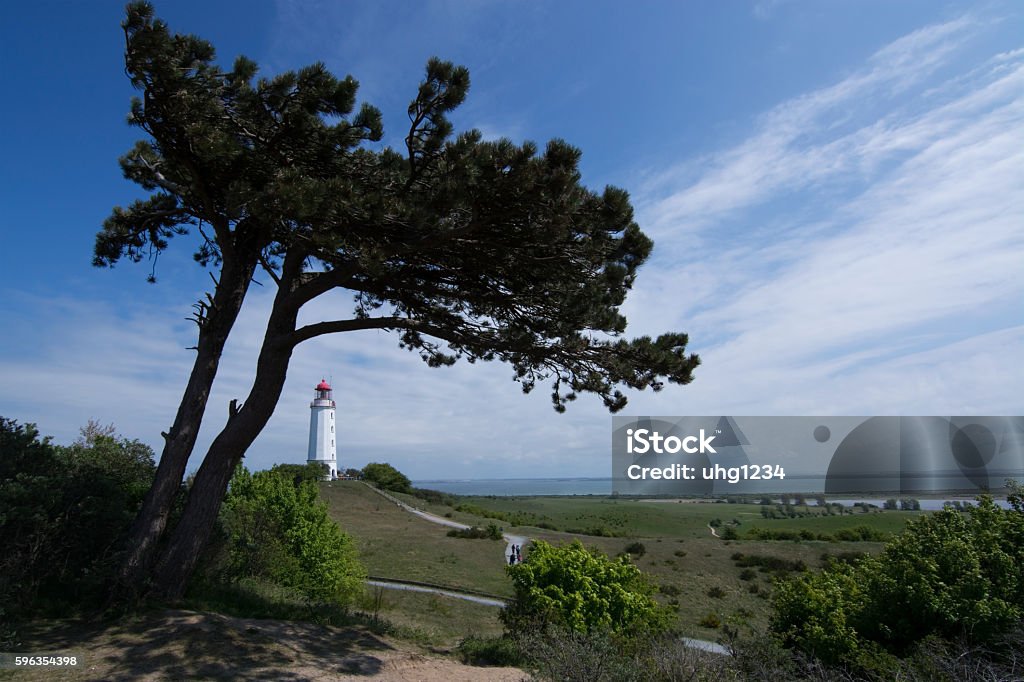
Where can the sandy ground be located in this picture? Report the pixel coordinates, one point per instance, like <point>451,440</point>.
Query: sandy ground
<point>186,645</point>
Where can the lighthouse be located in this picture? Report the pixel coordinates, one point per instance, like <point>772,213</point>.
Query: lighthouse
<point>321,430</point>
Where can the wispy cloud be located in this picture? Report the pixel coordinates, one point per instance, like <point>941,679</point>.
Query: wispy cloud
<point>874,223</point>
<point>798,143</point>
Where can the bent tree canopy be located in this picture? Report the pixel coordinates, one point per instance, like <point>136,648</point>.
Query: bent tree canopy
<point>467,248</point>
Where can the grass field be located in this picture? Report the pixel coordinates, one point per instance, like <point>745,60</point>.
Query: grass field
<point>396,544</point>
<point>431,619</point>
<point>697,573</point>
<point>630,517</point>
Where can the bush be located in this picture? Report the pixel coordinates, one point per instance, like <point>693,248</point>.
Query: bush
<point>386,477</point>
<point>860,534</point>
<point>636,549</point>
<point>949,574</point>
<point>63,513</point>
<point>278,530</point>
<point>500,651</point>
<point>769,563</point>
<point>559,654</point>
<point>491,532</point>
<point>716,592</point>
<point>311,471</point>
<point>435,496</point>
<point>582,590</point>
<point>845,557</point>
<point>766,534</point>
<point>711,620</point>
<point>669,590</point>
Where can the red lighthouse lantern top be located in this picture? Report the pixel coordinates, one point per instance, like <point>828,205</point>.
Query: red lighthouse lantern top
<point>324,397</point>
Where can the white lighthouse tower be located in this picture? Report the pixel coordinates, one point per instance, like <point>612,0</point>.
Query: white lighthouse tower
<point>321,430</point>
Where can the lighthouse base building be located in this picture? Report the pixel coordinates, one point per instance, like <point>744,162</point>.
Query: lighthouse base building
<point>322,449</point>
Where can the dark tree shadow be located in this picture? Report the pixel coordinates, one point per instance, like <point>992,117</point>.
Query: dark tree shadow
<point>193,646</point>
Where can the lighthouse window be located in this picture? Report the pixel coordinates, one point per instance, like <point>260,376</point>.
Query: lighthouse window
<point>332,428</point>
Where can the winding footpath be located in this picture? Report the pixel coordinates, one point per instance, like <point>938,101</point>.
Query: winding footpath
<point>510,540</point>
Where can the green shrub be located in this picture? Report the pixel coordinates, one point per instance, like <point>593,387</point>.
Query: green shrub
<point>311,471</point>
<point>491,532</point>
<point>710,620</point>
<point>387,477</point>
<point>278,530</point>
<point>583,590</point>
<point>63,512</point>
<point>716,592</point>
<point>500,651</point>
<point>845,557</point>
<point>860,534</point>
<point>669,590</point>
<point>435,496</point>
<point>636,549</point>
<point>950,574</point>
<point>769,563</point>
<point>768,534</point>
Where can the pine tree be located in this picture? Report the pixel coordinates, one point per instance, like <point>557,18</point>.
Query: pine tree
<point>468,249</point>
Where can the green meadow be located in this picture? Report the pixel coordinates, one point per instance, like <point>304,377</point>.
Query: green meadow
<point>707,581</point>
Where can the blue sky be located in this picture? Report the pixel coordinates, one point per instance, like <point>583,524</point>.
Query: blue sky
<point>835,190</point>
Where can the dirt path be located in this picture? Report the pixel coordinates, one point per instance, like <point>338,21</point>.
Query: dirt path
<point>519,540</point>
<point>411,587</point>
<point>188,645</point>
<point>433,518</point>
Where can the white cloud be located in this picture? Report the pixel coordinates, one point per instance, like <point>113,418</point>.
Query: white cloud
<point>797,143</point>
<point>881,249</point>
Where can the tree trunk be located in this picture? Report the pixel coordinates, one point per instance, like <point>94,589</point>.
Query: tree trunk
<point>192,532</point>
<point>151,519</point>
